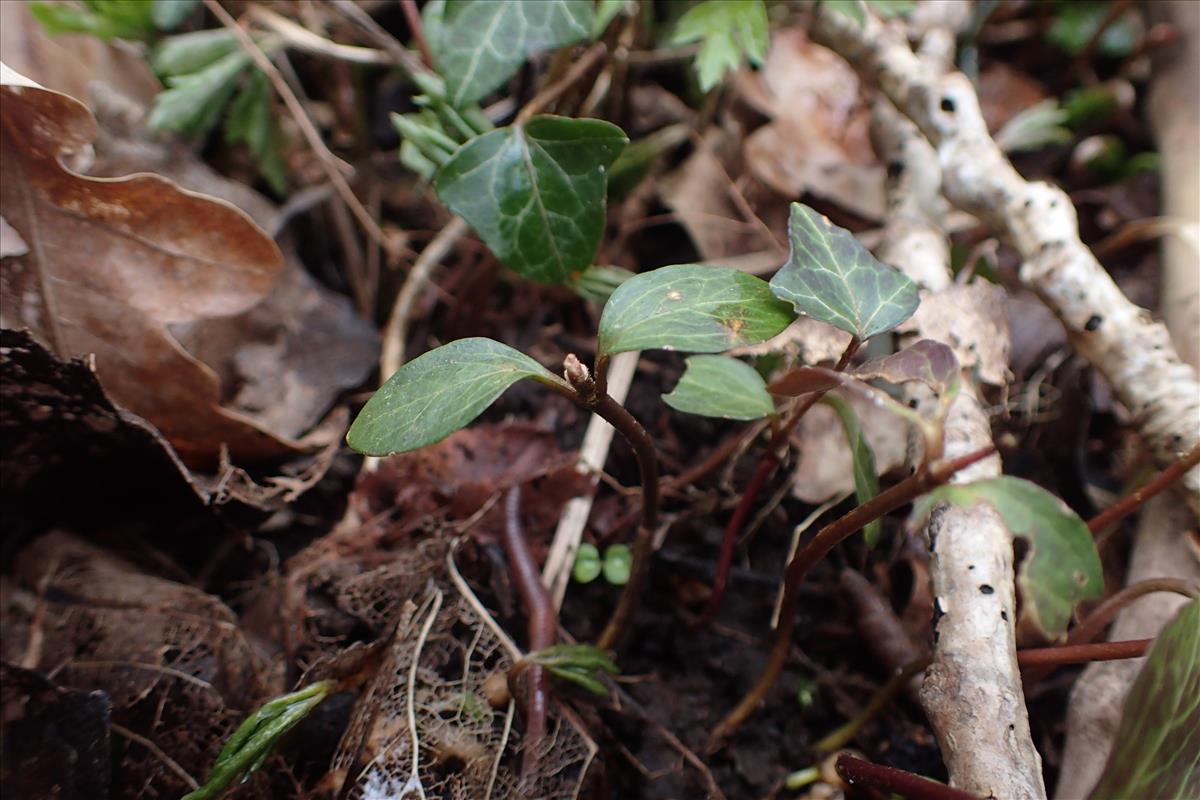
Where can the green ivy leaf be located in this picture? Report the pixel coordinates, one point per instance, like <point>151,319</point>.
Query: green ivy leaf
<point>1062,567</point>
<point>477,45</point>
<point>251,743</point>
<point>535,193</point>
<point>728,30</point>
<point>866,479</point>
<point>1157,746</point>
<point>721,386</point>
<point>587,563</point>
<point>692,308</point>
<point>831,277</point>
<point>437,393</point>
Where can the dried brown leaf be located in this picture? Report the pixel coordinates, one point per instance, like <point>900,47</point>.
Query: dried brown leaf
<point>973,321</point>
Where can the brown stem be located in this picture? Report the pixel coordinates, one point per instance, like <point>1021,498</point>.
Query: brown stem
<point>858,772</point>
<point>1082,653</point>
<point>825,540</point>
<point>766,465</point>
<point>413,17</point>
<point>1133,501</point>
<point>587,395</point>
<point>542,626</point>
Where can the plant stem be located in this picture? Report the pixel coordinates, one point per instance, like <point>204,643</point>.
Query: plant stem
<point>1134,500</point>
<point>825,540</point>
<point>542,623</point>
<point>770,460</point>
<point>1082,653</point>
<point>858,772</point>
<point>413,17</point>
<point>1094,623</point>
<point>587,395</point>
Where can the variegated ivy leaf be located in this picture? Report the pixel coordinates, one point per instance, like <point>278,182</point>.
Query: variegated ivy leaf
<point>437,393</point>
<point>721,386</point>
<point>691,308</point>
<point>832,277</point>
<point>535,192</point>
<point>478,44</point>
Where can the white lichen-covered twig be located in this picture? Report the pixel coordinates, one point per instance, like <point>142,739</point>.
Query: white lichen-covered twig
<point>972,690</point>
<point>1123,341</point>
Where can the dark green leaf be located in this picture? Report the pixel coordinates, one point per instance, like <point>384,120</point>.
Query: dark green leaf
<point>831,277</point>
<point>437,393</point>
<point>190,52</point>
<point>728,29</point>
<point>116,19</point>
<point>618,564</point>
<point>249,745</point>
<point>1062,567</point>
<point>866,480</point>
<point>250,121</point>
<point>721,386</point>
<point>692,308</point>
<point>170,14</point>
<point>587,563</point>
<point>194,102</point>
<point>478,44</point>
<point>1157,747</point>
<point>1076,24</point>
<point>535,193</point>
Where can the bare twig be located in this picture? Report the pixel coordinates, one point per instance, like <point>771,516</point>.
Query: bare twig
<point>413,17</point>
<point>303,39</point>
<point>858,772</point>
<point>158,753</point>
<point>1083,653</point>
<point>328,161</point>
<point>1132,502</point>
<point>555,90</point>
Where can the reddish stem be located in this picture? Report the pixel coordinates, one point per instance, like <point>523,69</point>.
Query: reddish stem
<point>1133,501</point>
<point>858,772</point>
<point>766,465</point>
<point>826,539</point>
<point>413,16</point>
<point>542,625</point>
<point>1082,653</point>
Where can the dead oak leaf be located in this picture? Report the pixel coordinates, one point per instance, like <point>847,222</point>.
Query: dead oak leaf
<point>113,262</point>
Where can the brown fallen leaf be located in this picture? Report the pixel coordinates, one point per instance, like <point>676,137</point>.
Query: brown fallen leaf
<point>112,262</point>
<point>817,141</point>
<point>983,345</point>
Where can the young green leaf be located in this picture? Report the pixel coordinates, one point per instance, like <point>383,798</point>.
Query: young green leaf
<point>884,8</point>
<point>190,52</point>
<point>1157,746</point>
<point>252,742</point>
<point>692,308</point>
<point>250,121</point>
<point>618,564</point>
<point>535,193</point>
<point>195,100</point>
<point>170,14</point>
<point>831,277</point>
<point>866,480</point>
<point>114,19</point>
<point>728,29</point>
<point>1062,567</point>
<point>437,393</point>
<point>478,44</point>
<point>721,386</point>
<point>597,283</point>
<point>587,563</point>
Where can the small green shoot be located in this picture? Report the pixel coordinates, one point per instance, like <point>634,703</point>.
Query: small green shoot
<point>729,31</point>
<point>577,664</point>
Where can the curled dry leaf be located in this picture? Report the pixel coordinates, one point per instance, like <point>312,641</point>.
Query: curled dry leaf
<point>983,343</point>
<point>817,141</point>
<point>113,262</point>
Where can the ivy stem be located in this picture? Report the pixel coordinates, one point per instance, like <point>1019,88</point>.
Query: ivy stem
<point>858,772</point>
<point>825,540</point>
<point>776,447</point>
<point>1134,500</point>
<point>542,623</point>
<point>1082,653</point>
<point>1094,623</point>
<point>586,394</point>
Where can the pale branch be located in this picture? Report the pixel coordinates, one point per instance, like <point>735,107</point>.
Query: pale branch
<point>972,691</point>
<point>1123,341</point>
